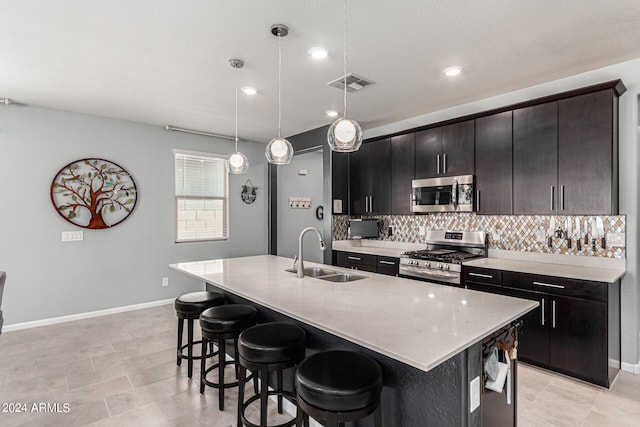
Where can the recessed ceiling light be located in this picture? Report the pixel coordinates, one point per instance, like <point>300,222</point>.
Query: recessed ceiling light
<point>318,52</point>
<point>452,71</point>
<point>248,90</point>
<point>332,113</point>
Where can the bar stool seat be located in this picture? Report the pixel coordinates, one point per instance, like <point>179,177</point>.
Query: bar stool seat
<point>188,307</point>
<point>337,386</point>
<point>219,324</point>
<point>267,348</point>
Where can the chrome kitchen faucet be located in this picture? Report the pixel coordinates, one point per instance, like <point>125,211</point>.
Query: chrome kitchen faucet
<point>323,246</point>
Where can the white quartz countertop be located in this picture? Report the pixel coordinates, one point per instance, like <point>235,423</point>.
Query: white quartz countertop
<point>415,322</point>
<point>376,247</point>
<point>581,272</point>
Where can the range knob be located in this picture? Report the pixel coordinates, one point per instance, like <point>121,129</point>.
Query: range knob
<point>439,266</point>
<point>446,267</point>
<point>411,262</point>
<point>427,264</point>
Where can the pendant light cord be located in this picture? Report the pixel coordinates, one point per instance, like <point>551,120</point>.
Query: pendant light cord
<point>236,79</point>
<point>279,88</point>
<point>345,59</point>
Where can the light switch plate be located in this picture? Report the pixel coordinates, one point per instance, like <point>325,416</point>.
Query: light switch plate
<point>422,230</point>
<point>616,239</point>
<point>337,206</point>
<point>495,235</point>
<point>474,394</point>
<point>72,236</point>
<point>540,236</point>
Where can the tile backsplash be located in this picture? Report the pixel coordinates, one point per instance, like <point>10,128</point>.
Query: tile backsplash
<point>507,232</point>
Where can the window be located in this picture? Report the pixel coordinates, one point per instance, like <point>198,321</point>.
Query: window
<point>201,196</point>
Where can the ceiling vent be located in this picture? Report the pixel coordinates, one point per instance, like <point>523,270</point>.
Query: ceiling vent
<point>354,82</point>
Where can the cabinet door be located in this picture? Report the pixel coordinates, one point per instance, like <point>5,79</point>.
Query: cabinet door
<point>370,177</point>
<point>533,343</point>
<point>494,166</point>
<point>535,159</point>
<point>388,265</point>
<point>458,148</point>
<point>578,338</point>
<point>428,153</point>
<point>340,180</point>
<point>586,154</point>
<point>402,170</point>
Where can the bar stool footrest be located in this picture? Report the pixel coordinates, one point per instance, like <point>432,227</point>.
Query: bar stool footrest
<point>291,397</point>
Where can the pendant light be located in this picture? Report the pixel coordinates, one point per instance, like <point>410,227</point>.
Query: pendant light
<point>345,135</point>
<point>279,151</point>
<point>237,163</point>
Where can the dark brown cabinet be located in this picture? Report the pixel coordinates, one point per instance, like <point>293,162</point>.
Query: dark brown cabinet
<point>370,177</point>
<point>367,262</point>
<point>587,154</point>
<point>402,172</point>
<point>574,318</point>
<point>493,165</point>
<point>445,151</point>
<point>535,159</point>
<point>340,181</point>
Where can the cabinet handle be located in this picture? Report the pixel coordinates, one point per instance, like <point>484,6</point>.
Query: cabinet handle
<point>548,285</point>
<point>387,262</point>
<point>478,200</point>
<point>488,276</point>
<point>355,258</point>
<point>552,196</point>
<point>562,197</point>
<point>553,314</point>
<point>542,303</point>
<point>370,204</point>
<point>438,164</point>
<point>444,163</point>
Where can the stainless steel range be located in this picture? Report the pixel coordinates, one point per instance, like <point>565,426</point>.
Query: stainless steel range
<point>441,261</point>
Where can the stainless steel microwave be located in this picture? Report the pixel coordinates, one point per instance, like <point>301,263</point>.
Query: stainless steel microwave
<point>446,194</point>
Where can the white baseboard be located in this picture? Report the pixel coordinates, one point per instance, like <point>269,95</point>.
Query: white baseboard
<point>88,315</point>
<point>630,367</point>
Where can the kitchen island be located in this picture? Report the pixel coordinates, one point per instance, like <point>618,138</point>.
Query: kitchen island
<point>426,337</point>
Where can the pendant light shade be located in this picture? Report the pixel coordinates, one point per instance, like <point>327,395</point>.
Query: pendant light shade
<point>345,135</point>
<point>237,163</point>
<point>279,151</point>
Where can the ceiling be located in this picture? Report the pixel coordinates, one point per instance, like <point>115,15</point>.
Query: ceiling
<point>166,61</point>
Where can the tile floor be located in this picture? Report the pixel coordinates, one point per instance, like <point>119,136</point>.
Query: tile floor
<point>120,370</point>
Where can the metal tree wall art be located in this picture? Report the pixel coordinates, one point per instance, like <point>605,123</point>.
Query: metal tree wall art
<point>93,193</point>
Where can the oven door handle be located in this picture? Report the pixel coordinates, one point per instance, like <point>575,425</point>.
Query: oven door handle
<point>430,273</point>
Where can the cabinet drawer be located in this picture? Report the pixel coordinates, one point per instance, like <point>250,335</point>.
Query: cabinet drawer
<point>483,287</point>
<point>597,291</point>
<point>388,265</point>
<point>357,258</point>
<point>482,275</point>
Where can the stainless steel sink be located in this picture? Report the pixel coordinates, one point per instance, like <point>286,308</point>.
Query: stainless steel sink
<point>314,271</point>
<point>342,277</point>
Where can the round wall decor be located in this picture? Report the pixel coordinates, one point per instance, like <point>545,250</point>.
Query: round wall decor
<point>94,193</point>
<point>248,193</point>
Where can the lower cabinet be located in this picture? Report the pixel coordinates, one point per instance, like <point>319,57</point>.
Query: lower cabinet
<point>576,328</point>
<point>367,262</point>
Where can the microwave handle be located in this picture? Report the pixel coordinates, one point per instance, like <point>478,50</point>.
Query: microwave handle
<point>454,192</point>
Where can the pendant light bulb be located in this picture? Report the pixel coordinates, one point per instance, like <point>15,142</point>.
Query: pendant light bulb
<point>279,151</point>
<point>237,163</point>
<point>345,135</point>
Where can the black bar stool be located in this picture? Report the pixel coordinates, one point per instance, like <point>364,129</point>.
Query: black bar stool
<point>219,324</point>
<point>263,349</point>
<point>189,306</point>
<point>338,386</point>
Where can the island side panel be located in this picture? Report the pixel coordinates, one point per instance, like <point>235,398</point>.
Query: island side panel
<point>411,397</point>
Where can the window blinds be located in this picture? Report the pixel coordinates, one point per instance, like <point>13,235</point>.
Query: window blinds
<point>201,197</point>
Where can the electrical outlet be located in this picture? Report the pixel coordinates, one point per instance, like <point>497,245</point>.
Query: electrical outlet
<point>422,230</point>
<point>474,394</point>
<point>390,231</point>
<point>541,236</point>
<point>615,239</point>
<point>495,235</point>
<point>165,281</point>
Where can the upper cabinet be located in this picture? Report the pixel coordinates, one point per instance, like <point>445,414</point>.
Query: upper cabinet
<point>370,177</point>
<point>445,151</point>
<point>494,184</point>
<point>535,159</point>
<point>402,172</point>
<point>587,154</point>
<point>340,182</point>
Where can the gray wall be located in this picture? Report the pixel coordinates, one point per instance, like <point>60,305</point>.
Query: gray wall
<point>629,164</point>
<point>292,221</point>
<point>113,267</point>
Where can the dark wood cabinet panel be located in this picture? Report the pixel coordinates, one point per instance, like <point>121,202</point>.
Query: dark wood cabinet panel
<point>493,164</point>
<point>533,346</point>
<point>370,179</point>
<point>367,262</point>
<point>428,153</point>
<point>458,149</point>
<point>586,154</point>
<point>388,265</point>
<point>402,172</point>
<point>340,180</point>
<point>578,338</point>
<point>535,159</point>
